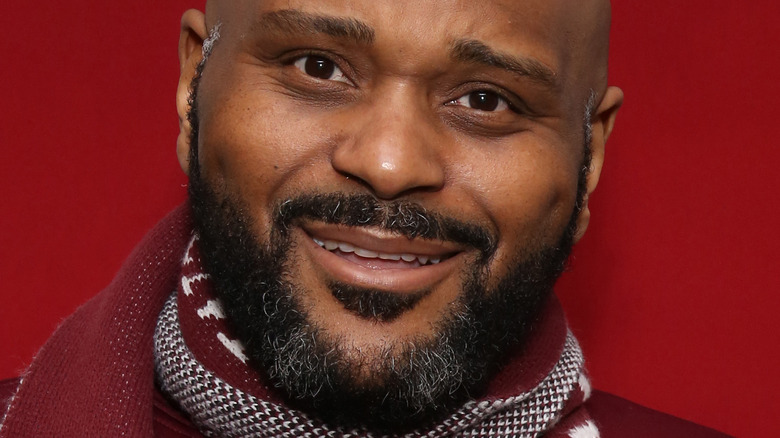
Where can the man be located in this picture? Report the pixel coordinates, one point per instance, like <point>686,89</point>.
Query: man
<point>382,195</point>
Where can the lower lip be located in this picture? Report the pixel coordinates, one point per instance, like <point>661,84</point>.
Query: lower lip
<point>387,275</point>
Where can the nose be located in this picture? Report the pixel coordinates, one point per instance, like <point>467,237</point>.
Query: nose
<point>392,147</point>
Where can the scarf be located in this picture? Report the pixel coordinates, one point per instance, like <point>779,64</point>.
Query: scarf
<point>94,377</point>
<point>204,369</point>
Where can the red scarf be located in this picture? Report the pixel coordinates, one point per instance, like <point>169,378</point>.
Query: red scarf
<point>95,375</point>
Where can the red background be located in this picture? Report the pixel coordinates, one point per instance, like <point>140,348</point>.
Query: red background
<point>672,292</point>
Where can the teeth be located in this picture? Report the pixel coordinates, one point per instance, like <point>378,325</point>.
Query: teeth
<point>366,253</point>
<point>330,245</point>
<point>345,247</point>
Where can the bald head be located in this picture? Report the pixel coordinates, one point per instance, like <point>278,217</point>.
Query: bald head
<point>585,28</point>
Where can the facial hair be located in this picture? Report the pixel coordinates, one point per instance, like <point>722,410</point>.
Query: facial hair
<point>409,382</point>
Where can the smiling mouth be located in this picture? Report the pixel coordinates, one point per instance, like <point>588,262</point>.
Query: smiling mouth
<point>407,260</point>
<point>384,301</point>
<point>373,258</point>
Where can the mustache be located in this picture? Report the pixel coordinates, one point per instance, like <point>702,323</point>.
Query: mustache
<point>406,218</point>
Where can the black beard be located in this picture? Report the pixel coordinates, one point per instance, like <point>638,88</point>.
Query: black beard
<point>411,383</point>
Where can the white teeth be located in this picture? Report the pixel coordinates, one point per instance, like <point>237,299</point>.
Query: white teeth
<point>366,253</point>
<point>345,247</point>
<point>331,245</point>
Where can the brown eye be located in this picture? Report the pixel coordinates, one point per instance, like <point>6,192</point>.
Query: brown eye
<point>321,68</point>
<point>483,100</point>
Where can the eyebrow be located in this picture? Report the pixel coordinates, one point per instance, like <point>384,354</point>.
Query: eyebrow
<point>298,22</point>
<point>474,51</point>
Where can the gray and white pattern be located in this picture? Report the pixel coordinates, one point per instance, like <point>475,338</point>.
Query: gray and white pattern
<point>218,409</point>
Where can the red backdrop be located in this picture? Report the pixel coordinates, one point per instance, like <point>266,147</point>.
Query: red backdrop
<point>672,292</point>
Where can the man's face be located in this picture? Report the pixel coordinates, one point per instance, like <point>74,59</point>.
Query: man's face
<point>396,164</point>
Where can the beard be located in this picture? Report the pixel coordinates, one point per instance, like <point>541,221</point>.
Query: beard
<point>400,385</point>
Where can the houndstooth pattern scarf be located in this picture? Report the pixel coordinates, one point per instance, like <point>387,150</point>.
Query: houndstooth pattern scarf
<point>223,396</point>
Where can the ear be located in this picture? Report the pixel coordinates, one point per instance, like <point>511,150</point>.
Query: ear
<point>193,33</point>
<point>602,123</point>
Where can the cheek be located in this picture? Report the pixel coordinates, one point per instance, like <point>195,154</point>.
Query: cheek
<point>257,146</point>
<point>528,192</point>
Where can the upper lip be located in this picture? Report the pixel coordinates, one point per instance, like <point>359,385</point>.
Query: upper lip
<point>375,239</point>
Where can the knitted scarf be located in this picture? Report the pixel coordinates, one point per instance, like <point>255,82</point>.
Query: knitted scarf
<point>201,366</point>
<point>94,377</point>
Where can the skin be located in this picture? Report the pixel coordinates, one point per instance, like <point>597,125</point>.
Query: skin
<point>397,125</point>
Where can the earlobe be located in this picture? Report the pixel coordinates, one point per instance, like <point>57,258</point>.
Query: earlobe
<point>602,122</point>
<point>193,33</point>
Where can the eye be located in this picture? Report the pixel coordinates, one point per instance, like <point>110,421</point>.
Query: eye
<point>483,100</point>
<point>321,68</point>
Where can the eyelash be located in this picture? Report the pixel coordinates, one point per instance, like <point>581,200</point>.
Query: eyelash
<point>502,97</point>
<point>299,61</point>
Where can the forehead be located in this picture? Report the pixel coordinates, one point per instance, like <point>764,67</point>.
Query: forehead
<point>548,30</point>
